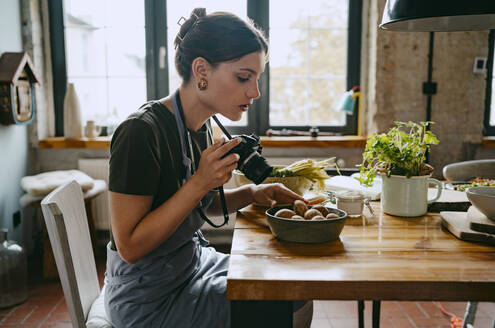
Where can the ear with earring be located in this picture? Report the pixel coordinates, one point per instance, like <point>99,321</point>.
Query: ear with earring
<point>202,84</point>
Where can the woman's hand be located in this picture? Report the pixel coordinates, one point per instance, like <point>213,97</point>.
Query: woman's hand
<point>213,170</point>
<point>274,193</point>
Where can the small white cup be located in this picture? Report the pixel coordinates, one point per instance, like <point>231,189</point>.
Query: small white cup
<point>92,130</point>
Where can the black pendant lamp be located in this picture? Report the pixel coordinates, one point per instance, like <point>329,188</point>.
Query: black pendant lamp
<point>438,15</point>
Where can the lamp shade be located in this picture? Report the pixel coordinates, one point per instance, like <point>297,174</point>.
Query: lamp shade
<point>438,15</point>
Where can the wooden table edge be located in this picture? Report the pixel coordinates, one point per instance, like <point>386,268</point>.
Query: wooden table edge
<point>242,289</point>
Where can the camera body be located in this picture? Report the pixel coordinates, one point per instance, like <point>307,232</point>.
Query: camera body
<point>251,163</point>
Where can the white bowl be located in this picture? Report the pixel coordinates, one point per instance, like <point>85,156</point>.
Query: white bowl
<point>297,184</point>
<point>483,198</point>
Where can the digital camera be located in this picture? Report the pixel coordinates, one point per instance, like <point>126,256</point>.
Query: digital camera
<point>251,163</point>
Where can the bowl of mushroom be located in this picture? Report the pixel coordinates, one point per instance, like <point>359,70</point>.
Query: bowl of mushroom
<point>306,224</point>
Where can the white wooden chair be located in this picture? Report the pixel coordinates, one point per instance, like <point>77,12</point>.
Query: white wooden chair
<point>67,225</point>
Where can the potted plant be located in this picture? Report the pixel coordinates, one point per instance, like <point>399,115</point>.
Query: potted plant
<point>399,156</point>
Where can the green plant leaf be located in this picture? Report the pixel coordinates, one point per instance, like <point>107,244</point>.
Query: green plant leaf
<point>400,151</point>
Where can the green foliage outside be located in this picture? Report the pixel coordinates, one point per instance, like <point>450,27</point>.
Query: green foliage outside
<point>308,65</point>
<point>400,151</point>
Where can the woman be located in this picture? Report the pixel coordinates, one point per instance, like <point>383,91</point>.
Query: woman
<point>162,172</point>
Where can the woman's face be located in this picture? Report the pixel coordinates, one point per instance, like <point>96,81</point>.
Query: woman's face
<point>232,86</point>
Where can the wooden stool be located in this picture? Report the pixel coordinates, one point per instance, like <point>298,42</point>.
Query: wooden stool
<point>49,267</point>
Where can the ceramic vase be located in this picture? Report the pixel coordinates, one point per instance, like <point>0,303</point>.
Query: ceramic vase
<point>72,114</point>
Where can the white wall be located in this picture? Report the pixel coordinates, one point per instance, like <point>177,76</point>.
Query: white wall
<point>13,138</point>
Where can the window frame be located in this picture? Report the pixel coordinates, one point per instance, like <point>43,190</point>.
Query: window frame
<point>157,85</point>
<point>155,26</point>
<point>489,130</point>
<point>59,67</point>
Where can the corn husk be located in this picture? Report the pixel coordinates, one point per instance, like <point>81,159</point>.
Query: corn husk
<point>309,169</point>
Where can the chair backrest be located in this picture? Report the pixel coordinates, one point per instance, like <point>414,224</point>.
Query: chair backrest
<point>67,225</point>
<point>480,168</point>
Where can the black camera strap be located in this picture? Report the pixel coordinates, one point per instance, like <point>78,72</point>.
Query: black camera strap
<point>190,163</point>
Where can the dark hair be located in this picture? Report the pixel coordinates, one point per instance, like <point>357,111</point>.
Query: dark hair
<point>217,37</point>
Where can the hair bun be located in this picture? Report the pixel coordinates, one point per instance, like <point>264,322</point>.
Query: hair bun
<point>186,25</point>
<point>197,13</point>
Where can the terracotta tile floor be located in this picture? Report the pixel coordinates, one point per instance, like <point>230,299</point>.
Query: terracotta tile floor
<point>46,307</point>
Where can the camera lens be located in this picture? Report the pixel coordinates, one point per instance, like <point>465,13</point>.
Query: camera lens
<point>256,168</point>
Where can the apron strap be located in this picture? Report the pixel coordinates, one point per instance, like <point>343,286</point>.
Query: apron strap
<point>188,162</point>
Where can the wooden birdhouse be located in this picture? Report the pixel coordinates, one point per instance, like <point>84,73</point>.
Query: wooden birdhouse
<point>17,79</point>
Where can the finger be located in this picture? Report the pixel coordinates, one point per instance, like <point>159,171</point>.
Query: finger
<point>226,172</point>
<point>285,195</point>
<point>228,163</point>
<point>284,191</point>
<point>229,160</point>
<point>292,197</point>
<point>295,196</point>
<point>226,147</point>
<point>217,144</point>
<point>232,167</point>
<point>292,194</point>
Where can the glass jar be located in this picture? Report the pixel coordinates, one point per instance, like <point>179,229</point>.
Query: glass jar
<point>351,202</point>
<point>13,272</point>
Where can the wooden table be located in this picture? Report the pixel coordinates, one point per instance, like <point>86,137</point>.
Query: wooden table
<point>388,258</point>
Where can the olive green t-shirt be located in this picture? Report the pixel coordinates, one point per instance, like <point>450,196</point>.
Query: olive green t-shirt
<point>146,154</point>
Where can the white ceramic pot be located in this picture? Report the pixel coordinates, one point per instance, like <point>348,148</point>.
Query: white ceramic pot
<point>402,196</point>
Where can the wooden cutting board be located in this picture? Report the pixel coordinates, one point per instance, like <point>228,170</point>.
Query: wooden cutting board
<point>450,200</point>
<point>479,222</point>
<point>458,224</point>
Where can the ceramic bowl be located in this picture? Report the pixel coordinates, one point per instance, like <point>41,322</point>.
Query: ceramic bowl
<point>483,198</point>
<point>297,184</point>
<point>306,231</point>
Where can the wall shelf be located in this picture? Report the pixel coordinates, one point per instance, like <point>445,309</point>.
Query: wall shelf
<point>269,142</point>
<point>299,142</point>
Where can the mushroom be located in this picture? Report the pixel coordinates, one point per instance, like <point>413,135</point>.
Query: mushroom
<point>323,210</point>
<point>285,213</point>
<point>300,207</point>
<point>309,214</point>
<point>331,216</point>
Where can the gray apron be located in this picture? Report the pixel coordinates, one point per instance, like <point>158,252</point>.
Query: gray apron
<point>181,283</point>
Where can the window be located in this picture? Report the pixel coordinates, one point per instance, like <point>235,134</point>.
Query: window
<point>108,70</point>
<point>308,60</point>
<point>314,58</point>
<point>490,88</point>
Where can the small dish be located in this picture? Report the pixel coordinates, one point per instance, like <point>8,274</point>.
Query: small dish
<point>306,231</point>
